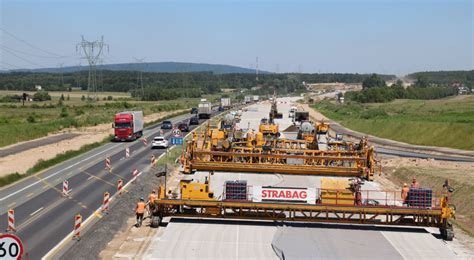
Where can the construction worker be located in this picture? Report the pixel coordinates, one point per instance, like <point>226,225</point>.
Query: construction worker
<point>414,183</point>
<point>405,191</point>
<point>152,197</point>
<point>140,211</point>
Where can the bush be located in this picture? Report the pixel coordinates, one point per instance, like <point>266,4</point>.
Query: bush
<point>31,119</point>
<point>83,98</point>
<point>41,96</point>
<point>64,112</point>
<point>110,98</point>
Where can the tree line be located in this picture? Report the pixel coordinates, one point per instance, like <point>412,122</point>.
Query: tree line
<point>375,90</point>
<point>163,86</point>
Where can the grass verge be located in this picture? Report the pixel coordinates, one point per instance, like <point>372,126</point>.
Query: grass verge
<point>444,123</point>
<point>44,164</point>
<point>462,180</point>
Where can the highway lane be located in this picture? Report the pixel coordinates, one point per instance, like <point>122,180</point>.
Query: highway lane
<point>45,218</point>
<point>420,155</point>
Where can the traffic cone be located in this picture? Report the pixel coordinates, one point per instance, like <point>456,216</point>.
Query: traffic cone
<point>105,205</point>
<point>11,221</point>
<point>119,186</point>
<point>77,227</point>
<point>65,188</point>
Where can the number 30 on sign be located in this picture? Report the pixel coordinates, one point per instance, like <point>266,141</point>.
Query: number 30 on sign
<point>10,247</point>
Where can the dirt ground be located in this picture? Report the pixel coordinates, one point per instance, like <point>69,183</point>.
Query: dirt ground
<point>23,161</point>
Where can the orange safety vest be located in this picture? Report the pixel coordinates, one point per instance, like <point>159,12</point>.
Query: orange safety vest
<point>140,207</point>
<point>152,198</point>
<point>405,191</point>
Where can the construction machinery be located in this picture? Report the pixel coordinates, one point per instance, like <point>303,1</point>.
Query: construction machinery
<point>231,150</point>
<point>334,203</point>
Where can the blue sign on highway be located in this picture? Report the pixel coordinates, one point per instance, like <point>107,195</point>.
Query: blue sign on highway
<point>176,140</point>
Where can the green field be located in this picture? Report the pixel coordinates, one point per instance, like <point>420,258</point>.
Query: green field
<point>37,119</point>
<point>447,122</point>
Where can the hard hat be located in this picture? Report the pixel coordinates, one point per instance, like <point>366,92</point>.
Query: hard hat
<point>142,199</point>
<point>404,184</point>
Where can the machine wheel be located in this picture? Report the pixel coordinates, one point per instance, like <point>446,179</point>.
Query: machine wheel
<point>155,221</point>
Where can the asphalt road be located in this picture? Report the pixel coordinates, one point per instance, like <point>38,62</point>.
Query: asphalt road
<point>37,143</point>
<point>44,217</point>
<point>234,239</point>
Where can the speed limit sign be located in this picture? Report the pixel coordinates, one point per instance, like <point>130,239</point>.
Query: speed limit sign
<point>10,247</point>
<point>176,132</point>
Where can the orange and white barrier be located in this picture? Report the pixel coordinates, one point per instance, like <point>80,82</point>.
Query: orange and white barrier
<point>77,227</point>
<point>153,160</point>
<point>127,152</point>
<point>105,205</point>
<point>11,221</point>
<point>135,174</point>
<point>145,142</point>
<point>119,186</point>
<point>107,164</point>
<point>65,188</point>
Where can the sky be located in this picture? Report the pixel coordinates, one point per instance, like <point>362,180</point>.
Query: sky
<point>367,36</point>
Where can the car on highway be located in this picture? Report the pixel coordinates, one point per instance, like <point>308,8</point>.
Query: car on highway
<point>194,110</point>
<point>194,121</point>
<point>183,127</point>
<point>159,142</point>
<point>167,125</point>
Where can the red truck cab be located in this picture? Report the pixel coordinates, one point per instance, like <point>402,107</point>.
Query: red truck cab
<point>128,125</point>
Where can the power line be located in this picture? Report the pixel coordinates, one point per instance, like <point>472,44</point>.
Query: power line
<point>31,45</point>
<point>19,57</point>
<point>29,54</point>
<point>11,65</point>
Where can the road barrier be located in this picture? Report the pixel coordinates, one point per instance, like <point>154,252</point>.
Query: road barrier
<point>107,164</point>
<point>145,142</point>
<point>119,186</point>
<point>105,205</point>
<point>77,227</point>
<point>153,160</point>
<point>135,174</point>
<point>11,221</point>
<point>65,188</point>
<point>127,152</point>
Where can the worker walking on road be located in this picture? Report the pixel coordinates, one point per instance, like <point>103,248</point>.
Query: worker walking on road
<point>140,211</point>
<point>405,191</point>
<point>414,183</point>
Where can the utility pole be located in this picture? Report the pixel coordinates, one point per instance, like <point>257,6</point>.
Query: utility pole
<point>256,69</point>
<point>140,77</point>
<point>92,51</point>
<point>60,65</point>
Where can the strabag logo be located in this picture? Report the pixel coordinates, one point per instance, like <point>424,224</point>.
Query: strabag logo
<point>284,194</point>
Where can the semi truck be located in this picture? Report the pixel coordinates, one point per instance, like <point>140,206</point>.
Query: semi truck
<point>225,103</point>
<point>128,125</point>
<point>204,109</point>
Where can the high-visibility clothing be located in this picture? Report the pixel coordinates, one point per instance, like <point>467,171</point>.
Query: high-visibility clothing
<point>405,191</point>
<point>152,197</point>
<point>140,207</point>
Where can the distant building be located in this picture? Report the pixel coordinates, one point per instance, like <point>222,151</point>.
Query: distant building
<point>38,87</point>
<point>463,90</point>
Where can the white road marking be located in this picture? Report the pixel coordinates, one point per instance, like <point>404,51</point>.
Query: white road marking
<point>38,210</point>
<point>56,173</point>
<point>90,177</point>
